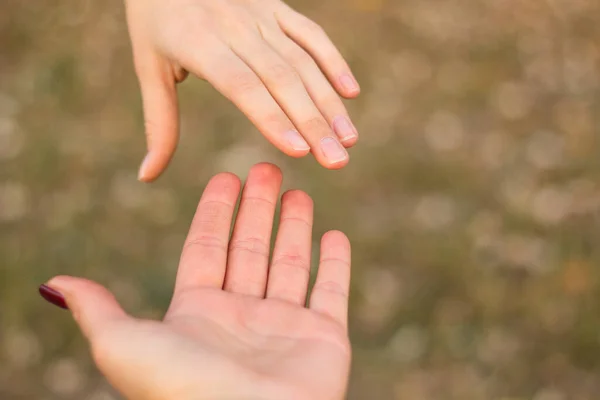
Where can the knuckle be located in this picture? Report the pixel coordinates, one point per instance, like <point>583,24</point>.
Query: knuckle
<point>276,120</point>
<point>299,58</point>
<point>327,99</point>
<point>273,122</point>
<point>312,27</point>
<point>316,124</point>
<point>281,74</point>
<point>243,82</point>
<point>234,23</point>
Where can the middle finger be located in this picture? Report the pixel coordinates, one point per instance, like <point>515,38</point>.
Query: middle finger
<point>250,242</point>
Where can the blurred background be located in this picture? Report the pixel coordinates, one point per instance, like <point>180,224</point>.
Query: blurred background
<point>472,199</point>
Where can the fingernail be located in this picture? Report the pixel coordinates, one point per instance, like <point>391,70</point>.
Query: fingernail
<point>349,83</point>
<point>296,140</point>
<point>142,173</point>
<point>52,296</point>
<point>344,128</point>
<point>333,150</point>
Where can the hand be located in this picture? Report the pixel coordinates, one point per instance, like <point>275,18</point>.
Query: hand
<point>276,65</point>
<point>237,327</point>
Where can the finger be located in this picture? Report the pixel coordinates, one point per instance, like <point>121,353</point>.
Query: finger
<point>318,87</point>
<point>93,306</point>
<point>236,81</point>
<point>204,255</point>
<point>290,268</point>
<point>161,116</point>
<point>286,87</point>
<point>330,293</point>
<point>249,244</point>
<point>315,41</point>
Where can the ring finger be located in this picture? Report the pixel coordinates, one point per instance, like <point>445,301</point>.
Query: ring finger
<point>290,269</point>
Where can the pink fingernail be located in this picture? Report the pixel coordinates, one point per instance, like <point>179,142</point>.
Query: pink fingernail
<point>333,150</point>
<point>344,128</point>
<point>297,141</point>
<point>349,83</point>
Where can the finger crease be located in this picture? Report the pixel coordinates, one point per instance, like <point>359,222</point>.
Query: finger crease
<point>252,245</point>
<point>260,200</point>
<point>206,241</point>
<point>292,261</point>
<point>296,219</point>
<point>335,260</point>
<point>216,202</point>
<point>331,287</point>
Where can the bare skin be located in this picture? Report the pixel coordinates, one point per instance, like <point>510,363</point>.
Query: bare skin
<point>238,326</point>
<point>277,66</point>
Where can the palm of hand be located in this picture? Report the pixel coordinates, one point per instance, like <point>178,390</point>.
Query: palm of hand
<point>272,348</point>
<point>271,339</point>
<point>236,328</point>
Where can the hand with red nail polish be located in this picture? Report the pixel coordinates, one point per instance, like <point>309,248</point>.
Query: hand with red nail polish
<point>277,66</point>
<point>239,326</point>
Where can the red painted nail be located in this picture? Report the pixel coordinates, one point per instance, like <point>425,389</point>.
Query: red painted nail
<point>54,297</point>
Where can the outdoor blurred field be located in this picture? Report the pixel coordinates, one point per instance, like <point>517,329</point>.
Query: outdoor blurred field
<point>472,199</point>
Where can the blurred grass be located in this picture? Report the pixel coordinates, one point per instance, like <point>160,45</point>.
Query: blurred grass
<point>472,200</point>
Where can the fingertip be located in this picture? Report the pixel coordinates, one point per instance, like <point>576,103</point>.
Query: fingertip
<point>74,288</point>
<point>349,85</point>
<point>224,186</point>
<point>298,198</point>
<point>149,169</point>
<point>335,238</point>
<point>349,142</point>
<point>53,296</point>
<point>288,148</point>
<point>349,94</point>
<point>333,154</point>
<point>296,142</point>
<point>62,282</point>
<point>345,130</point>
<point>90,303</point>
<point>226,181</point>
<point>229,177</point>
<point>154,164</point>
<point>336,165</point>
<point>297,153</point>
<point>265,171</point>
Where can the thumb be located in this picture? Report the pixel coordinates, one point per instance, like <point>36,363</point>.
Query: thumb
<point>161,117</point>
<point>93,306</point>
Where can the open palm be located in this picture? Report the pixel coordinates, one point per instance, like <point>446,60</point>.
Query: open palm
<point>237,326</point>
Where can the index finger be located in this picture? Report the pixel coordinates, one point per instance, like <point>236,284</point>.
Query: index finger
<point>204,254</point>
